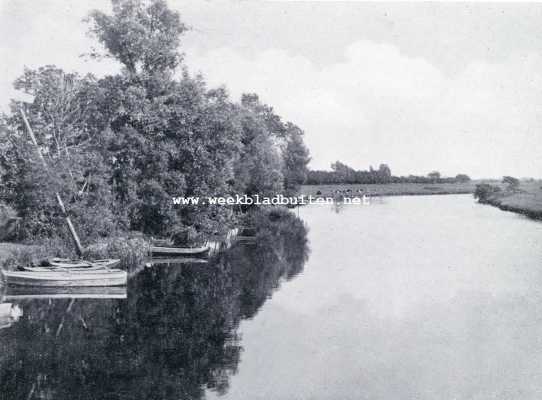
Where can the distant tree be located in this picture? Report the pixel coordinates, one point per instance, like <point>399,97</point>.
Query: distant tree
<point>511,182</point>
<point>462,178</point>
<point>343,173</point>
<point>384,173</point>
<point>434,176</point>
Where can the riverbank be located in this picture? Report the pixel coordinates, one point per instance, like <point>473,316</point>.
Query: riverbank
<point>7,250</point>
<point>391,189</point>
<point>526,200</point>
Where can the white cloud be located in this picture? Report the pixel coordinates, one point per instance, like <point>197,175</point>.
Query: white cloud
<point>378,105</point>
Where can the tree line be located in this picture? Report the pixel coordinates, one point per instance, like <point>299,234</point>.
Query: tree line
<point>119,147</point>
<point>343,174</point>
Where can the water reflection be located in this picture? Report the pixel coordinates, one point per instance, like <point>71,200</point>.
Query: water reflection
<point>172,338</point>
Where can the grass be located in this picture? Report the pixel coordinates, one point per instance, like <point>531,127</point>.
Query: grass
<point>393,189</point>
<point>527,200</point>
<point>13,254</point>
<point>132,252</point>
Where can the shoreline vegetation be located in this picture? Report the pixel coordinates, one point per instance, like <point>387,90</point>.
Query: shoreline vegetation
<point>390,189</point>
<point>119,147</point>
<point>521,197</point>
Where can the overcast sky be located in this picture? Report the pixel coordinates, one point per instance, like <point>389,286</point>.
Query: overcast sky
<point>422,86</point>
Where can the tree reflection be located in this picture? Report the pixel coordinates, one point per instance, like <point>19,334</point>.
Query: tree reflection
<point>174,336</point>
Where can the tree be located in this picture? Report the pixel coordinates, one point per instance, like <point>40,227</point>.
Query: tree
<point>434,176</point>
<point>384,173</point>
<point>295,159</point>
<point>462,178</point>
<point>61,116</point>
<point>259,168</point>
<point>165,137</point>
<point>122,146</point>
<point>484,192</point>
<point>343,173</point>
<point>511,182</point>
<point>143,35</point>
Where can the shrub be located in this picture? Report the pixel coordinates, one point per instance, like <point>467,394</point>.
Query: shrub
<point>511,182</point>
<point>131,251</point>
<point>485,192</point>
<point>42,250</point>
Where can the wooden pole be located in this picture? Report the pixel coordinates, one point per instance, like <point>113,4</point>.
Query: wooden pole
<point>75,237</point>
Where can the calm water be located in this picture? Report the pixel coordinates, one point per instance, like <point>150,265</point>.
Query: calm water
<point>415,298</point>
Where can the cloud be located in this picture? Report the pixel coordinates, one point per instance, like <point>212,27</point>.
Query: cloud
<point>379,105</point>
<point>381,101</point>
<point>35,34</point>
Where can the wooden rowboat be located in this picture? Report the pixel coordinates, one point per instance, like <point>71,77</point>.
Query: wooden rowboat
<point>67,263</point>
<point>61,278</point>
<point>60,269</point>
<point>175,261</point>
<point>17,293</point>
<point>162,251</point>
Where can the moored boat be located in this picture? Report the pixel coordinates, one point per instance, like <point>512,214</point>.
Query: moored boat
<point>163,251</point>
<point>17,293</point>
<point>67,263</point>
<point>60,278</point>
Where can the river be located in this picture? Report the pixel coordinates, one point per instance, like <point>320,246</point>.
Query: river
<point>422,297</point>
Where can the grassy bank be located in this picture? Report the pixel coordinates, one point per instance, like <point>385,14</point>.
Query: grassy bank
<point>132,252</point>
<point>526,200</point>
<point>392,189</point>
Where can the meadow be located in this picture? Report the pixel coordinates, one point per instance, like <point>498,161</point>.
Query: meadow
<point>392,189</point>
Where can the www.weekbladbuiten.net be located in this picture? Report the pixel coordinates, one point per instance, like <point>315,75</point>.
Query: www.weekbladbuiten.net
<point>276,200</point>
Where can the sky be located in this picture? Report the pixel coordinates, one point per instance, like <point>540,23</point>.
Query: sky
<point>453,87</point>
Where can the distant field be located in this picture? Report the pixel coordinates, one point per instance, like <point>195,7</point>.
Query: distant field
<point>393,189</point>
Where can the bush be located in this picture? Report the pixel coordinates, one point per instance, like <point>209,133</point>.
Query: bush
<point>9,223</point>
<point>42,250</point>
<point>511,182</point>
<point>485,192</point>
<point>131,251</point>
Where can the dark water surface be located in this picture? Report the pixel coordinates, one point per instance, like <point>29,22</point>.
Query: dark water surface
<point>415,298</point>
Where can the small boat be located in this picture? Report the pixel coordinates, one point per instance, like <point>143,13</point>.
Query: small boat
<point>65,277</point>
<point>175,261</point>
<point>163,251</point>
<point>58,268</point>
<point>17,293</point>
<point>67,263</point>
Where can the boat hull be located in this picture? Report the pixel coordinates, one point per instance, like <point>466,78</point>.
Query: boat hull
<point>161,251</point>
<point>67,263</point>
<point>63,279</point>
<point>15,293</point>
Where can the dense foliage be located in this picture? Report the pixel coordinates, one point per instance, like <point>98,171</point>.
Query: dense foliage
<point>343,174</point>
<point>121,146</point>
<point>485,192</point>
